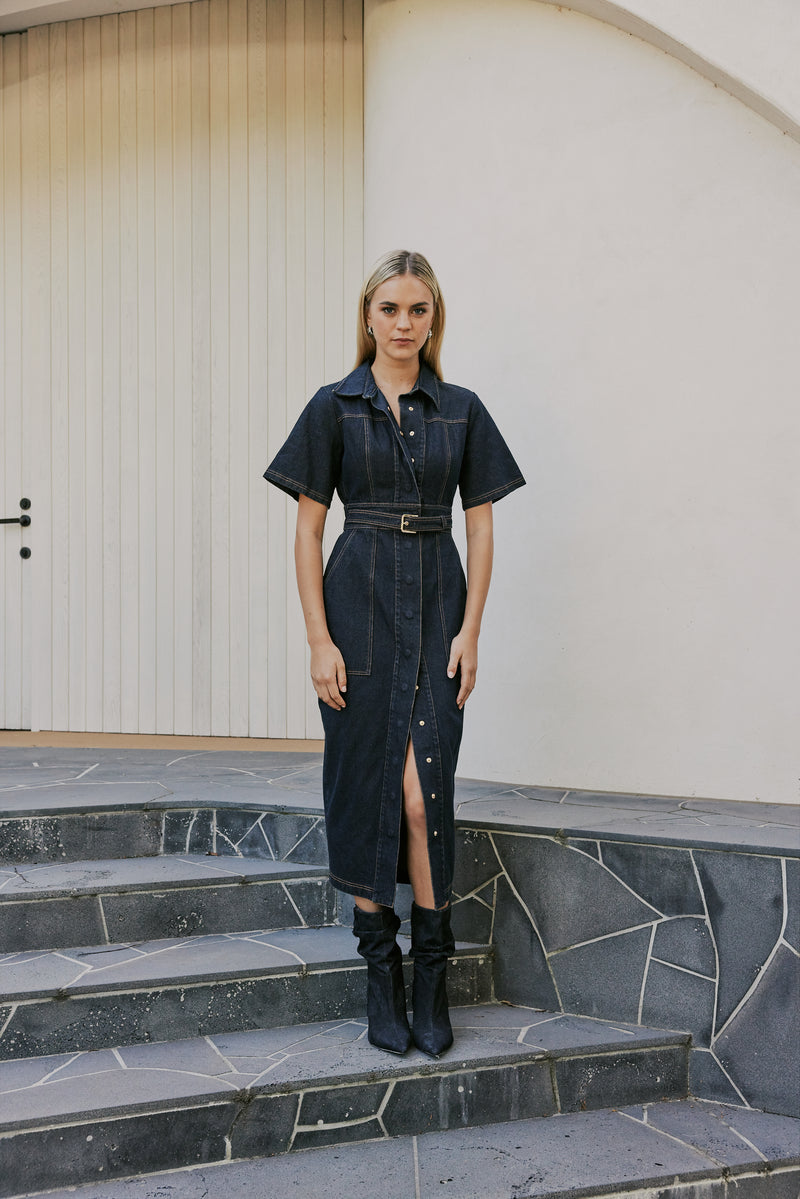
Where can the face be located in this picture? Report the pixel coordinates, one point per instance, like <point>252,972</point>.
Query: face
<point>401,313</point>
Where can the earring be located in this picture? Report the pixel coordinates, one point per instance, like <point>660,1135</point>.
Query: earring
<point>430,334</point>
<point>369,330</point>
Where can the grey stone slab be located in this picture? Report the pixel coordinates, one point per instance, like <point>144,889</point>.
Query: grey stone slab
<point>473,919</point>
<point>664,878</point>
<point>85,834</point>
<point>686,941</point>
<point>475,861</point>
<point>570,896</point>
<point>80,796</point>
<point>42,924</point>
<point>192,911</point>
<point>711,1128</point>
<point>760,1047</point>
<point>466,1098</point>
<point>607,1080</point>
<point>521,970</point>
<point>604,978</point>
<point>40,1159</point>
<point>671,994</point>
<point>341,1105</point>
<point>708,1080</point>
<point>744,896</point>
<point>590,847</point>
<point>568,1154</point>
<point>468,790</point>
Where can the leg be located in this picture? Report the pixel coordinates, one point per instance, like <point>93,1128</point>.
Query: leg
<point>386,995</point>
<point>419,863</point>
<point>431,938</point>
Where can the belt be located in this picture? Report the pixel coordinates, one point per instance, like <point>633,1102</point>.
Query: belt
<point>397,522</point>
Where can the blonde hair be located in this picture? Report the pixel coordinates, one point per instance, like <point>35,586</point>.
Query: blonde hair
<point>402,262</point>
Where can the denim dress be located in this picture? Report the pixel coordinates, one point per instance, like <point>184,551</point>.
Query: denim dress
<point>394,593</point>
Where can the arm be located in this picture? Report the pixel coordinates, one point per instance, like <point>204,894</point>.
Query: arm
<point>480,548</point>
<point>327,665</point>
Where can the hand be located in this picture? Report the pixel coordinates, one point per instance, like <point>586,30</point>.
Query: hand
<point>328,675</point>
<point>463,653</point>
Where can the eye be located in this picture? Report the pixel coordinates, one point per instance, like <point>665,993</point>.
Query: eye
<point>419,311</point>
<point>387,308</point>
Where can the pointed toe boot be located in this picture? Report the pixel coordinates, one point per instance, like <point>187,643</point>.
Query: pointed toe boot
<point>386,997</point>
<point>431,945</point>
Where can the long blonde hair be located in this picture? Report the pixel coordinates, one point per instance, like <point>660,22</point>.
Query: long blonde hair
<point>402,262</point>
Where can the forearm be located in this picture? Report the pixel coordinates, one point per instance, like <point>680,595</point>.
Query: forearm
<point>308,563</point>
<point>480,552</point>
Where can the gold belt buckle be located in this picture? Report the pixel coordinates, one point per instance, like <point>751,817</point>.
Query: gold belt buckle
<point>407,516</point>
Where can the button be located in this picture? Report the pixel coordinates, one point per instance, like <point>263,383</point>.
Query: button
<point>411,434</point>
<point>402,434</point>
<point>433,795</point>
<point>429,759</point>
<point>436,832</point>
<point>410,407</point>
<point>422,722</point>
<point>413,459</point>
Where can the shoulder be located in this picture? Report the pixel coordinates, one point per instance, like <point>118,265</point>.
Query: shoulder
<point>455,400</point>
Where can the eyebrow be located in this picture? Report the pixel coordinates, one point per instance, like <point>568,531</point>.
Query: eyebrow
<point>393,304</point>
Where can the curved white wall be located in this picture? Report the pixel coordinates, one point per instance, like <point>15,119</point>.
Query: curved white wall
<point>619,247</point>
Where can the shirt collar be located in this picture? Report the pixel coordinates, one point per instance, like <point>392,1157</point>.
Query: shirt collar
<point>361,383</point>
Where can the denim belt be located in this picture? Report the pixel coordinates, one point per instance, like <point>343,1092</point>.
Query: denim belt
<point>397,522</point>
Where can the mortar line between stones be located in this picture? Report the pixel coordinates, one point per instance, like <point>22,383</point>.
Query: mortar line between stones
<point>751,989</point>
<point>648,960</point>
<point>684,969</point>
<point>103,918</point>
<point>747,1142</point>
<point>288,894</point>
<point>671,1137</point>
<point>634,928</point>
<point>524,907</point>
<point>710,928</point>
<point>727,1075</point>
<point>415,1153</point>
<point>474,893</point>
<point>300,840</point>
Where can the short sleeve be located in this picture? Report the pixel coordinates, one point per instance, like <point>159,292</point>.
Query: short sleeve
<point>488,469</point>
<point>309,461</point>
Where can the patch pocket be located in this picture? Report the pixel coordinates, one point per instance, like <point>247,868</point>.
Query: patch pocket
<point>348,590</point>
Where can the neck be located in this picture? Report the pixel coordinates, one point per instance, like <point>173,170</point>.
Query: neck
<point>400,375</point>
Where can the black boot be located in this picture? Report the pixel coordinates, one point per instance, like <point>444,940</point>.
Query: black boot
<point>431,945</point>
<point>386,997</point>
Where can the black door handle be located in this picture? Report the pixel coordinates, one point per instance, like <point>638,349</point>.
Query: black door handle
<point>23,520</point>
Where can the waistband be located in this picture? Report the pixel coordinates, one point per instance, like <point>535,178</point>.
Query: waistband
<point>423,521</point>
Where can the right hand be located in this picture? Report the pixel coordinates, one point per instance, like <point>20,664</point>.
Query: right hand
<point>328,675</point>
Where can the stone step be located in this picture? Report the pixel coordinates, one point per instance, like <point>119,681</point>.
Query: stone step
<point>161,990</point>
<point>106,902</point>
<point>105,826</point>
<point>678,1149</point>
<point>72,1118</point>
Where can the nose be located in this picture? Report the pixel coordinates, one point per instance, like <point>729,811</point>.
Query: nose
<point>403,320</point>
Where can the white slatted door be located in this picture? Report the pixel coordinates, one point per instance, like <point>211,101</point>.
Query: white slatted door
<point>182,249</point>
<point>15,480</point>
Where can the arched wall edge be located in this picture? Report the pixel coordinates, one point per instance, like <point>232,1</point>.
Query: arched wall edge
<point>630,22</point>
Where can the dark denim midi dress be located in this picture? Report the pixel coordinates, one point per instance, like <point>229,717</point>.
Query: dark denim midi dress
<point>394,595</point>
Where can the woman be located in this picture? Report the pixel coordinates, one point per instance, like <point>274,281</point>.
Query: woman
<point>393,626</point>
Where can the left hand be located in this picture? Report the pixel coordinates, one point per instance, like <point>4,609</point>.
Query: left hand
<point>463,653</point>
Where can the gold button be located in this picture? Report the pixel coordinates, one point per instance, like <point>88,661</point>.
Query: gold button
<point>436,832</point>
<point>422,722</point>
<point>410,407</point>
<point>433,795</point>
<point>411,434</point>
<point>429,759</point>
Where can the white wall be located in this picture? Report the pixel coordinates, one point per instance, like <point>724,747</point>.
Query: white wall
<point>620,252</point>
<point>187,183</point>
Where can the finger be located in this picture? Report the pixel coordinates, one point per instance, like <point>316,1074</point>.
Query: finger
<point>452,665</point>
<point>336,700</point>
<point>466,688</point>
<point>341,676</point>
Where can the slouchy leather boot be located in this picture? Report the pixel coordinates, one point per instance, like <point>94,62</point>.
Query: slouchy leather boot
<point>386,997</point>
<point>431,945</point>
